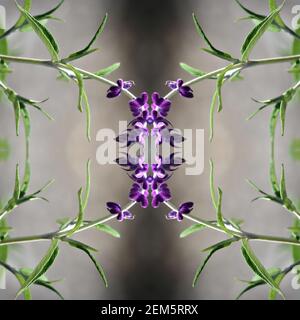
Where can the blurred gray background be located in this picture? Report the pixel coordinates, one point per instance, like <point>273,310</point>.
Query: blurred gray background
<point>149,38</point>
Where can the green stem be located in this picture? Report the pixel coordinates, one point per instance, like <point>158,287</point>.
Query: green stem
<point>63,233</point>
<point>238,66</point>
<point>239,234</point>
<point>61,66</point>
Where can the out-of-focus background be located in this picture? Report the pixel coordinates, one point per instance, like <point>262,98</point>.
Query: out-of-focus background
<point>149,38</point>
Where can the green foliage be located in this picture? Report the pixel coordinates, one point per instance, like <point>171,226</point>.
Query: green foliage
<point>42,266</point>
<point>257,33</point>
<point>42,32</point>
<point>257,267</point>
<point>212,49</point>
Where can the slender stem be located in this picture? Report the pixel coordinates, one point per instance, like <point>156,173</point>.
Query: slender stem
<point>62,233</point>
<point>240,234</point>
<point>238,66</point>
<point>61,66</point>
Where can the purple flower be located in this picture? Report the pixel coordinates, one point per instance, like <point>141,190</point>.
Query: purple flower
<point>139,104</point>
<point>160,104</point>
<point>184,208</point>
<point>115,91</point>
<point>161,194</point>
<point>184,91</point>
<point>140,195</point>
<point>115,208</point>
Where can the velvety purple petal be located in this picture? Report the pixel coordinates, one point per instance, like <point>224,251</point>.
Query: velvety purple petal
<point>179,83</point>
<point>120,83</point>
<point>186,92</point>
<point>172,215</point>
<point>179,216</point>
<point>113,207</point>
<point>128,215</point>
<point>127,84</point>
<point>113,92</point>
<point>172,84</point>
<point>186,207</point>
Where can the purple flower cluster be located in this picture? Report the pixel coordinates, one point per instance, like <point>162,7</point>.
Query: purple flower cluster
<point>149,119</point>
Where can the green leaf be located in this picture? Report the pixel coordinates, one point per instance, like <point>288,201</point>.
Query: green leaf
<point>43,33</point>
<point>257,33</point>
<point>26,177</point>
<point>3,252</point>
<point>79,79</point>
<point>19,277</point>
<point>42,266</point>
<point>48,13</point>
<point>273,6</point>
<point>220,82</point>
<point>88,115</point>
<point>212,185</point>
<point>211,115</point>
<point>87,185</point>
<point>295,149</point>
<point>17,110</point>
<point>283,192</point>
<point>3,45</point>
<point>108,70</point>
<point>79,219</point>
<point>78,244</point>
<point>49,287</point>
<point>22,18</point>
<point>82,52</point>
<point>96,264</point>
<point>17,188</point>
<point>219,211</point>
<point>213,249</point>
<point>278,280</point>
<point>257,281</point>
<point>215,51</point>
<point>257,266</point>
<point>252,13</point>
<point>296,234</point>
<point>191,70</point>
<point>26,272</point>
<point>108,229</point>
<point>191,230</point>
<point>273,124</point>
<point>283,106</point>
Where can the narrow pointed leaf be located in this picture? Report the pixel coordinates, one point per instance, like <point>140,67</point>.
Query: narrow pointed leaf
<point>43,33</point>
<point>273,124</point>
<point>88,115</point>
<point>42,266</point>
<point>215,248</point>
<point>191,230</point>
<point>108,70</point>
<point>85,49</point>
<point>257,33</point>
<point>273,6</point>
<point>257,266</point>
<point>17,110</point>
<point>96,264</point>
<point>211,115</point>
<point>201,33</point>
<point>283,106</point>
<point>26,176</point>
<point>108,229</point>
<point>212,185</point>
<point>22,18</point>
<point>191,70</point>
<point>283,192</point>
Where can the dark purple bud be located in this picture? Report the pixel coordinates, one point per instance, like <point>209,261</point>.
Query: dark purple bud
<point>113,207</point>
